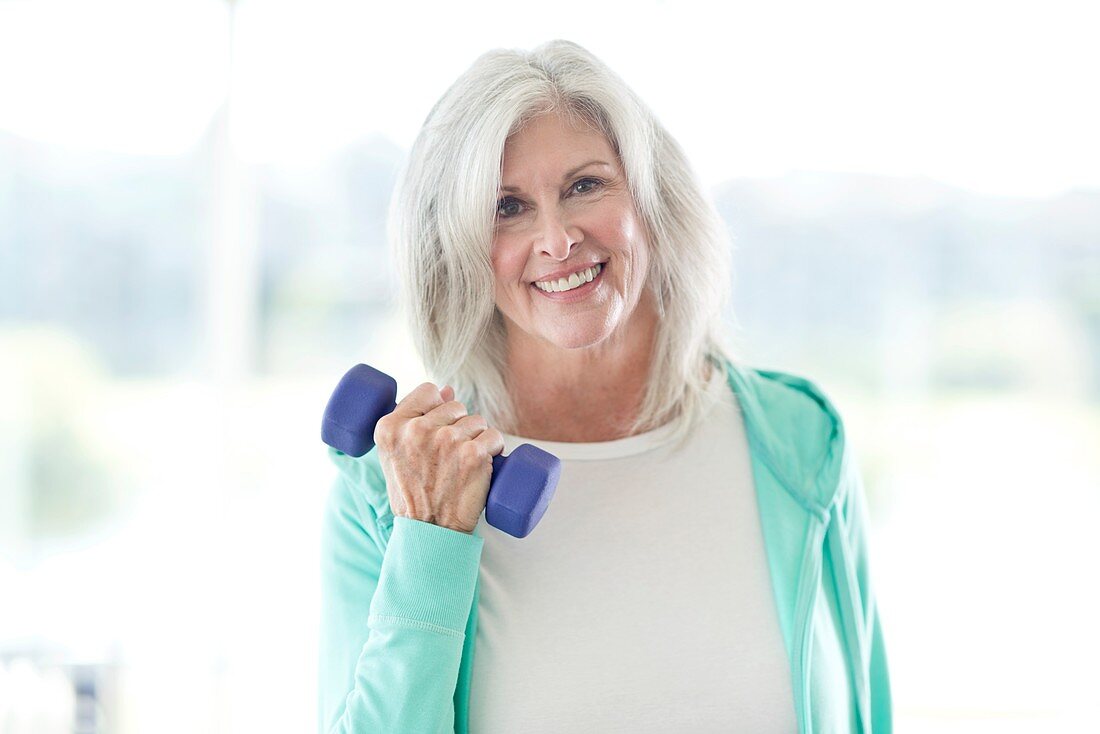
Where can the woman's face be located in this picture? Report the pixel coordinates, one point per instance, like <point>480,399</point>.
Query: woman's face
<point>565,205</point>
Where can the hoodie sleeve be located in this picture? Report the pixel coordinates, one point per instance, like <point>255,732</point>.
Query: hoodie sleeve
<point>393,618</point>
<point>854,510</point>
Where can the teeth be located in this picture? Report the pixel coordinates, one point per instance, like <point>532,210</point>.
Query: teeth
<point>574,280</point>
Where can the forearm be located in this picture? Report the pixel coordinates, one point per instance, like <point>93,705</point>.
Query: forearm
<point>412,637</point>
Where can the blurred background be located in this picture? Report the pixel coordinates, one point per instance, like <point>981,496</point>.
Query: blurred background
<point>192,252</point>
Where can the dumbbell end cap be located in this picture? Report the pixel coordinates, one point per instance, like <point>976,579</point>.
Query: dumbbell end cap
<point>363,395</point>
<point>527,480</point>
<point>516,525</point>
<point>349,442</point>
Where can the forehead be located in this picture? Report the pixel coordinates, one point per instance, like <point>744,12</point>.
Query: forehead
<point>551,144</point>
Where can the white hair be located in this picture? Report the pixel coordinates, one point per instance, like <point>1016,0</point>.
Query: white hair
<point>443,212</point>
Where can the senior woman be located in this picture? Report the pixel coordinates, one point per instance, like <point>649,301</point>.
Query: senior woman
<point>703,564</point>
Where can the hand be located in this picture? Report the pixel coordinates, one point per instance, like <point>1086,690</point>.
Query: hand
<point>437,459</point>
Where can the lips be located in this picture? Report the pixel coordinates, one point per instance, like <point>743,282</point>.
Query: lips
<point>567,273</point>
<point>579,293</point>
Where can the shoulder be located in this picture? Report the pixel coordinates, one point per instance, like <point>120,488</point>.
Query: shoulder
<point>795,426</point>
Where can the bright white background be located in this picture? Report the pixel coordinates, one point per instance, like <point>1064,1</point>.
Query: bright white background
<point>991,96</point>
<point>234,151</point>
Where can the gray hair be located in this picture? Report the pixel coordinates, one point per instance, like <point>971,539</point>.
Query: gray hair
<point>443,212</point>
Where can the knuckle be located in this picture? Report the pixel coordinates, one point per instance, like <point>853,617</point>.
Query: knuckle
<point>382,431</point>
<point>470,425</point>
<point>421,394</point>
<point>471,453</point>
<point>417,430</point>
<point>451,435</point>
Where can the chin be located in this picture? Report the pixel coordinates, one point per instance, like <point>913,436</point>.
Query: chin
<point>578,339</point>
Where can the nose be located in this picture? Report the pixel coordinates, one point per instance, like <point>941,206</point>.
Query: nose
<point>555,237</point>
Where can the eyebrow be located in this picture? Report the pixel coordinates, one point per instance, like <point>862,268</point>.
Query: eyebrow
<point>568,174</point>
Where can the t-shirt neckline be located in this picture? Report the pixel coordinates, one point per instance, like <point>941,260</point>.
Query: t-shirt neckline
<point>616,448</point>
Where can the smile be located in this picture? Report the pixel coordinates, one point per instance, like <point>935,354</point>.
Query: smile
<point>581,290</point>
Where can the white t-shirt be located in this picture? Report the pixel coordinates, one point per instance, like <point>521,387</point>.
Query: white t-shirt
<point>642,601</point>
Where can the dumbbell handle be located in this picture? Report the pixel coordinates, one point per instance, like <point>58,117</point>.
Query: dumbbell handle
<point>522,483</point>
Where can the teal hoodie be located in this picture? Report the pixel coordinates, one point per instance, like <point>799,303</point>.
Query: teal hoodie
<point>399,597</point>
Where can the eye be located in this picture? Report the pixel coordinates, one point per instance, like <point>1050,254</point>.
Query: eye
<point>505,206</point>
<point>507,201</point>
<point>594,182</point>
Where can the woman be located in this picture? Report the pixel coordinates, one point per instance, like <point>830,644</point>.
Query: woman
<point>703,564</point>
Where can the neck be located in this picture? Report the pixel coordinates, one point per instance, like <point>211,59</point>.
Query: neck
<point>582,395</point>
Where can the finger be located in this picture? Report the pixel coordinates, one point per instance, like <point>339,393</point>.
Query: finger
<point>423,399</point>
<point>446,413</point>
<point>492,440</point>
<point>470,426</point>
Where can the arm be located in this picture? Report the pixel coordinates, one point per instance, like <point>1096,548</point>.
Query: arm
<point>393,622</point>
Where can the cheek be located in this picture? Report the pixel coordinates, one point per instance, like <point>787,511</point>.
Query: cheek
<point>625,234</point>
<point>615,226</point>
<point>508,261</point>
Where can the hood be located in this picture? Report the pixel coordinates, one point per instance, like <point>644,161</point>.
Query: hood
<point>795,430</point>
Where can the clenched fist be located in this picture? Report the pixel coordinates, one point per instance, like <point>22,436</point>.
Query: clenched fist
<point>437,459</point>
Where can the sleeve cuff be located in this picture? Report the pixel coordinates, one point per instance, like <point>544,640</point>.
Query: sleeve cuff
<point>428,574</point>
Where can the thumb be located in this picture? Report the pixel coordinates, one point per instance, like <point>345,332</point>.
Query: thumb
<point>447,393</point>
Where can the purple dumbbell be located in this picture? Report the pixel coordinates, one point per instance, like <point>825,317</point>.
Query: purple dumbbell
<point>522,483</point>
